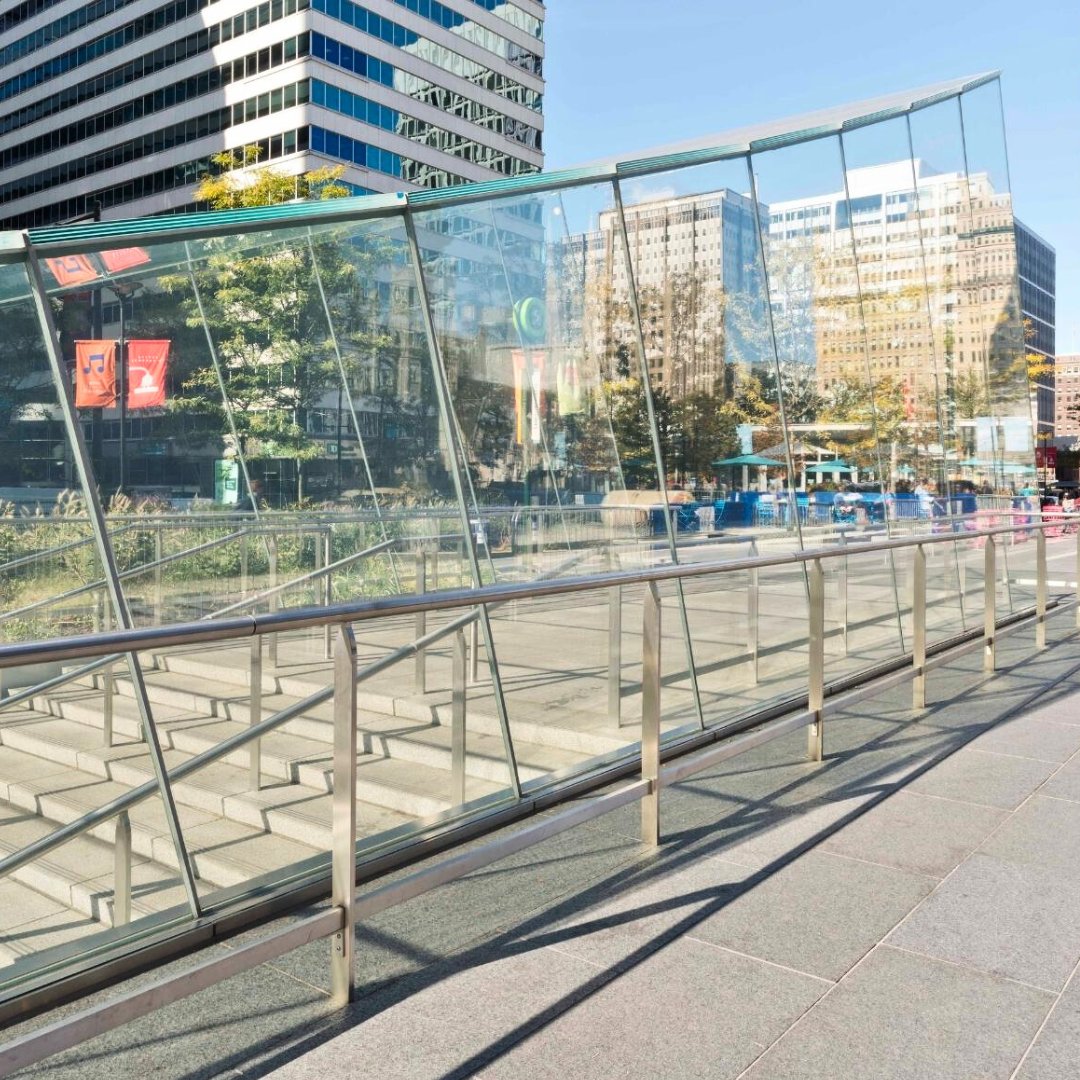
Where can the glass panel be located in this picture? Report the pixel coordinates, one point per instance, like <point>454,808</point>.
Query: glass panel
<point>838,407</point>
<point>694,246</point>
<point>532,315</point>
<point>909,378</point>
<point>994,302</point>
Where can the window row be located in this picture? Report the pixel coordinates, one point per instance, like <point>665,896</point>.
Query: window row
<point>418,131</point>
<point>60,28</point>
<point>173,53</point>
<point>186,174</point>
<point>480,35</point>
<point>376,26</point>
<point>155,142</point>
<point>159,100</point>
<point>138,28</point>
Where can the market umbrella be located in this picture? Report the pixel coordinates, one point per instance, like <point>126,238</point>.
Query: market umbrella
<point>747,459</point>
<point>830,466</point>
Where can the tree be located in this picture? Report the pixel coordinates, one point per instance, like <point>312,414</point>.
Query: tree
<point>265,303</point>
<point>237,181</point>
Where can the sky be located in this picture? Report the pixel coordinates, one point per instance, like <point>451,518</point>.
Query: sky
<point>625,76</point>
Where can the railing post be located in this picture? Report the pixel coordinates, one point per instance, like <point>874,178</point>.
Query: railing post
<point>122,870</point>
<point>842,585</point>
<point>752,615</point>
<point>108,687</point>
<point>343,869</point>
<point>474,652</point>
<point>323,560</point>
<point>918,615</point>
<point>1040,588</point>
<point>650,715</point>
<point>989,604</point>
<point>159,592</point>
<point>816,660</point>
<point>1076,569</point>
<point>421,624</point>
<point>615,654</point>
<point>245,563</point>
<point>255,712</point>
<point>272,550</point>
<point>457,722</point>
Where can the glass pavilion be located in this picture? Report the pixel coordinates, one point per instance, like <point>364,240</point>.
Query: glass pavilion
<point>540,376</point>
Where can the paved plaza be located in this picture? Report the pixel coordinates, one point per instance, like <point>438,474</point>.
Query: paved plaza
<point>905,909</point>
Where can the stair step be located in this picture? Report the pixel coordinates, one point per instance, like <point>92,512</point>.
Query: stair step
<point>423,742</point>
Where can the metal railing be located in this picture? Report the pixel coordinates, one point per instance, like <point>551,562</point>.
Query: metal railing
<point>681,759</point>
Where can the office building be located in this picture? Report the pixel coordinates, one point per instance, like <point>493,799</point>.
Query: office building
<point>119,105</point>
<point>1036,265</point>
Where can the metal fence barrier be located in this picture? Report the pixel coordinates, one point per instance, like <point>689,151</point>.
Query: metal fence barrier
<point>657,771</point>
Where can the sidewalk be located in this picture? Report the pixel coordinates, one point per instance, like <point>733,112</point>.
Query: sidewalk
<point>905,909</point>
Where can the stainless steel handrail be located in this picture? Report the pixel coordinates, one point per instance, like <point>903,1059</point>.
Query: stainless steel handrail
<point>123,641</point>
<point>235,628</point>
<point>82,645</point>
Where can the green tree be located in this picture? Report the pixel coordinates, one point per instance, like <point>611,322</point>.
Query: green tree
<point>264,300</point>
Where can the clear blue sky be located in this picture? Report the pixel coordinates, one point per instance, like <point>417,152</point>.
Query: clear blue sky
<point>629,75</point>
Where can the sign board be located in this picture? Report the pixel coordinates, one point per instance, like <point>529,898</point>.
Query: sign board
<point>227,482</point>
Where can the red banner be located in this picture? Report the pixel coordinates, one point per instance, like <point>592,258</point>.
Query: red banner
<point>147,363</point>
<point>72,270</point>
<point>95,374</point>
<point>123,259</point>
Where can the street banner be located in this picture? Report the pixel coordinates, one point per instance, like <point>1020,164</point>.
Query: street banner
<point>72,270</point>
<point>147,364</point>
<point>95,374</point>
<point>123,258</point>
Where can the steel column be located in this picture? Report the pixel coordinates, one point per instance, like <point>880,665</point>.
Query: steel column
<point>420,626</point>
<point>255,712</point>
<point>842,585</point>
<point>159,592</point>
<point>122,870</point>
<point>918,615</point>
<point>816,660</point>
<point>989,604</point>
<point>343,869</point>
<point>615,654</point>
<point>650,715</point>
<point>1040,588</point>
<point>753,614</point>
<point>77,441</point>
<point>457,720</point>
<point>272,557</point>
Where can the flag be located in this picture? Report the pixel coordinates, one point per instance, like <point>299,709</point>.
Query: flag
<point>123,259</point>
<point>72,269</point>
<point>95,374</point>
<point>147,362</point>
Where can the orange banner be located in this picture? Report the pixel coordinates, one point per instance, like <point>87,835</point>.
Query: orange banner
<point>72,270</point>
<point>95,374</point>
<point>147,363</point>
<point>123,259</point>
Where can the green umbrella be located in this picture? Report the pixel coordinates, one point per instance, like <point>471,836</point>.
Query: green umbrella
<point>747,459</point>
<point>830,466</point>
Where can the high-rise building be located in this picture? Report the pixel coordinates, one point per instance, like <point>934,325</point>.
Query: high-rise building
<point>1036,265</point>
<point>1067,398</point>
<point>119,104</point>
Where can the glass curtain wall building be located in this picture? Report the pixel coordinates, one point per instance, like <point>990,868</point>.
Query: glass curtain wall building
<point>117,106</point>
<point>803,334</point>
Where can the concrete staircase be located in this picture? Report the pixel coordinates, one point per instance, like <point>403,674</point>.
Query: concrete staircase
<point>55,767</point>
